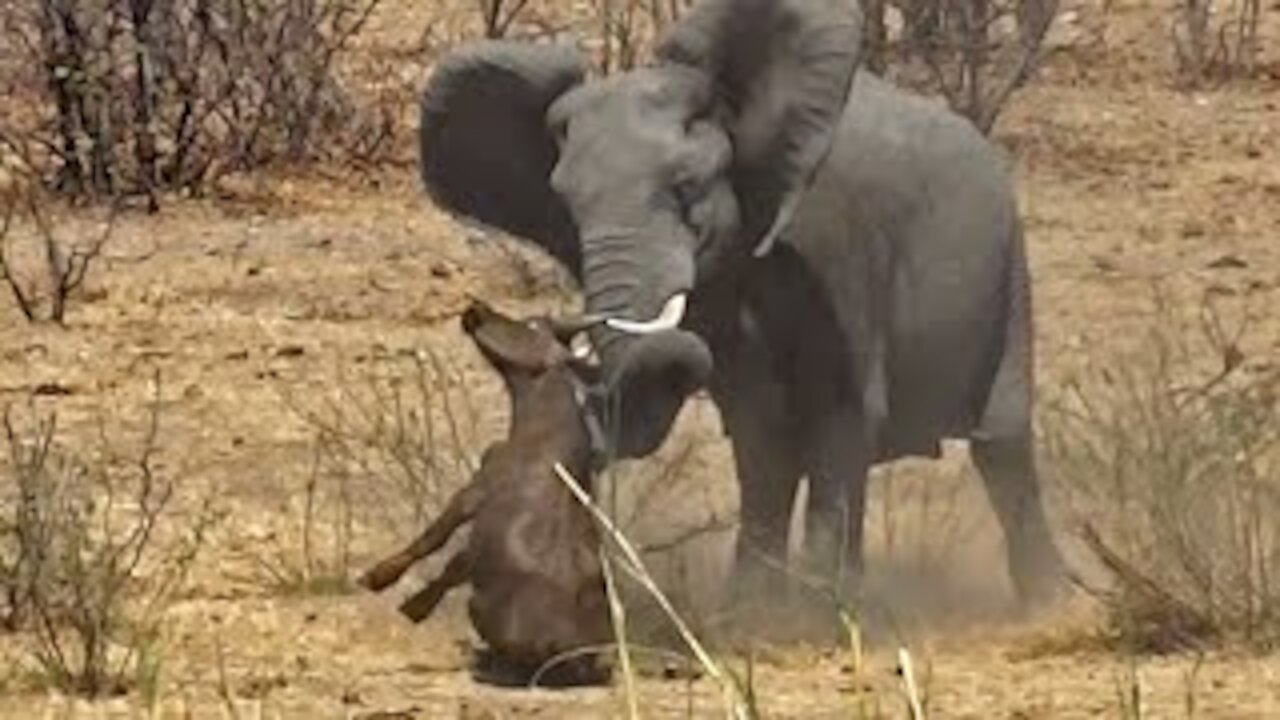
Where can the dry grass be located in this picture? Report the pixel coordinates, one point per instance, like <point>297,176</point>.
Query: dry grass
<point>86,569</point>
<point>1168,453</point>
<point>278,278</point>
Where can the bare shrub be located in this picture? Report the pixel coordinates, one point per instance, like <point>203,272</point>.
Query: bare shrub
<point>129,98</point>
<point>1167,456</point>
<point>499,15</point>
<point>312,555</point>
<point>626,29</point>
<point>407,429</point>
<point>83,559</point>
<point>388,446</point>
<point>642,495</point>
<point>61,264</point>
<point>975,53</point>
<point>1228,49</point>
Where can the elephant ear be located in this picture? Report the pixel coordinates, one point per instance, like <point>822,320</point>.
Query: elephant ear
<point>783,69</point>
<point>486,151</point>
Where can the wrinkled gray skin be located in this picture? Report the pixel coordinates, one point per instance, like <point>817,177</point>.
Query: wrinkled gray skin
<point>857,279</point>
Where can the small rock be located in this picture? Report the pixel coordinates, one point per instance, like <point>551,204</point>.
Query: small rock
<point>1227,262</point>
<point>352,697</point>
<point>51,388</point>
<point>1103,263</point>
<point>1193,229</point>
<point>408,713</point>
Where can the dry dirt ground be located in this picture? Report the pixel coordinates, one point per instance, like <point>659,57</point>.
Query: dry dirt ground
<point>287,292</point>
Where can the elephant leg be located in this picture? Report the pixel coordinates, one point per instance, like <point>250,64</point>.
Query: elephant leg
<point>754,409</point>
<point>768,467</point>
<point>838,462</point>
<point>1007,467</point>
<point>420,605</point>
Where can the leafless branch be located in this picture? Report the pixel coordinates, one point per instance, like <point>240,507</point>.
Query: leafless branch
<point>80,552</point>
<point>65,264</point>
<point>962,51</point>
<point>20,296</point>
<point>133,98</point>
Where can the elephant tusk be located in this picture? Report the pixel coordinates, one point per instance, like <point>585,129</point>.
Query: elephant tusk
<point>669,319</point>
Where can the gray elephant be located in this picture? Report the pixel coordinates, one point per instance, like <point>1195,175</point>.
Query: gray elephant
<point>840,263</point>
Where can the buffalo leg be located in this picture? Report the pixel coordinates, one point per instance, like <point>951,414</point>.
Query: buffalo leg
<point>460,509</point>
<point>419,606</point>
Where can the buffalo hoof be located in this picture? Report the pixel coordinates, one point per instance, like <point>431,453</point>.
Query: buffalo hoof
<point>382,576</point>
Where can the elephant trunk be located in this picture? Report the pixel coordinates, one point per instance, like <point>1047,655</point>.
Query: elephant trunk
<point>639,286</point>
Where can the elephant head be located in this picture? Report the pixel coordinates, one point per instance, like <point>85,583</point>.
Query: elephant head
<point>645,183</point>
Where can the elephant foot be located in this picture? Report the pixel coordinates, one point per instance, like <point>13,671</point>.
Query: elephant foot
<point>786,612</point>
<point>1042,591</point>
<point>1040,578</point>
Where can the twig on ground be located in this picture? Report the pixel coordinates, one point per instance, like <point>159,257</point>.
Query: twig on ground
<point>909,687</point>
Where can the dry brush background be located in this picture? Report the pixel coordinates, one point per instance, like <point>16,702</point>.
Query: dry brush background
<point>219,411</point>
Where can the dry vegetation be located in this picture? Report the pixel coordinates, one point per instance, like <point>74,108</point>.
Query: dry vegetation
<point>188,545</point>
<point>1169,452</point>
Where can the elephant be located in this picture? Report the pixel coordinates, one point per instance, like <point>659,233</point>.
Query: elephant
<point>838,263</point>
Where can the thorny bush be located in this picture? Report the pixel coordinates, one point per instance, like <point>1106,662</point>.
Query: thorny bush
<point>975,53</point>
<point>44,265</point>
<point>389,445</point>
<point>1168,458</point>
<point>93,548</point>
<point>1229,48</point>
<point>133,97</point>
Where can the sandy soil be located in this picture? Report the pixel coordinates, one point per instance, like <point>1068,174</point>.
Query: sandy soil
<point>286,292</point>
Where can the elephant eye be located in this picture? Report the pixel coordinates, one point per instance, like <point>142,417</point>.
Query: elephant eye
<point>689,195</point>
<point>689,190</point>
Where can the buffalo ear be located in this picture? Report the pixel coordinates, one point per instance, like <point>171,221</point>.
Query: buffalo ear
<point>784,70</point>
<point>485,150</point>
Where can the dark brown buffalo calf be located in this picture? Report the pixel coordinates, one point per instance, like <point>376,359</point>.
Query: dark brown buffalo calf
<point>537,585</point>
